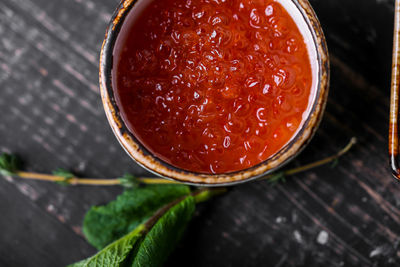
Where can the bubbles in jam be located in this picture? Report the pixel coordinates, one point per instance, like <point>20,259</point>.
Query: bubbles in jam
<point>212,86</point>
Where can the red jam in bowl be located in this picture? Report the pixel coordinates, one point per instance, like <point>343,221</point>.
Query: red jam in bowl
<point>212,86</point>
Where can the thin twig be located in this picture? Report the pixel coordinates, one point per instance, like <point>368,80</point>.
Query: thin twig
<point>117,181</point>
<point>86,181</point>
<point>316,163</point>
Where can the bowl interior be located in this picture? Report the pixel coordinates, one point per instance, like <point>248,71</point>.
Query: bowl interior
<point>303,15</point>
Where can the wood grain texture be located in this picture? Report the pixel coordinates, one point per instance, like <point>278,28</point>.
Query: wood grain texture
<point>51,115</point>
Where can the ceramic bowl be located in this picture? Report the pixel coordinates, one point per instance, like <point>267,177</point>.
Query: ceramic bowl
<point>304,16</point>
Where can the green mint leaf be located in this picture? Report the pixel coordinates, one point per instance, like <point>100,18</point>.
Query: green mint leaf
<point>129,181</point>
<point>150,243</point>
<point>66,174</point>
<point>165,235</point>
<point>115,253</point>
<point>8,164</point>
<point>104,224</point>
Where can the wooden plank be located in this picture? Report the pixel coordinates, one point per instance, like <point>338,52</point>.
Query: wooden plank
<point>53,118</point>
<point>31,236</point>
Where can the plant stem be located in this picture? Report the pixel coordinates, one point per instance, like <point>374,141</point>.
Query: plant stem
<point>200,197</point>
<point>318,163</point>
<point>86,181</point>
<point>157,181</point>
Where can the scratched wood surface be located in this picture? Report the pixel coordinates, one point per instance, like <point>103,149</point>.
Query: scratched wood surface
<point>51,115</point>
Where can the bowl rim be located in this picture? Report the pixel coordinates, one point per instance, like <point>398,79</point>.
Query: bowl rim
<point>157,166</point>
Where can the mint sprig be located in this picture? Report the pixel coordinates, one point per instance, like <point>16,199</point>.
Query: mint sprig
<point>149,238</point>
<point>104,224</point>
<point>142,226</point>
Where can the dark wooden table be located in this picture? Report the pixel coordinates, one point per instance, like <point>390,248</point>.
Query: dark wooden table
<point>51,115</point>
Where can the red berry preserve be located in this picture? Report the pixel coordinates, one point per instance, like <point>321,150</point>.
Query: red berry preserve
<point>212,86</point>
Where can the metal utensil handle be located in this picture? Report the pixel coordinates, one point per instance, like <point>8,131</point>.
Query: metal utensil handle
<point>394,99</point>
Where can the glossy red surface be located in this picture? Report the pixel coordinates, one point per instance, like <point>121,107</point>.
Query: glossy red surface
<point>212,86</point>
